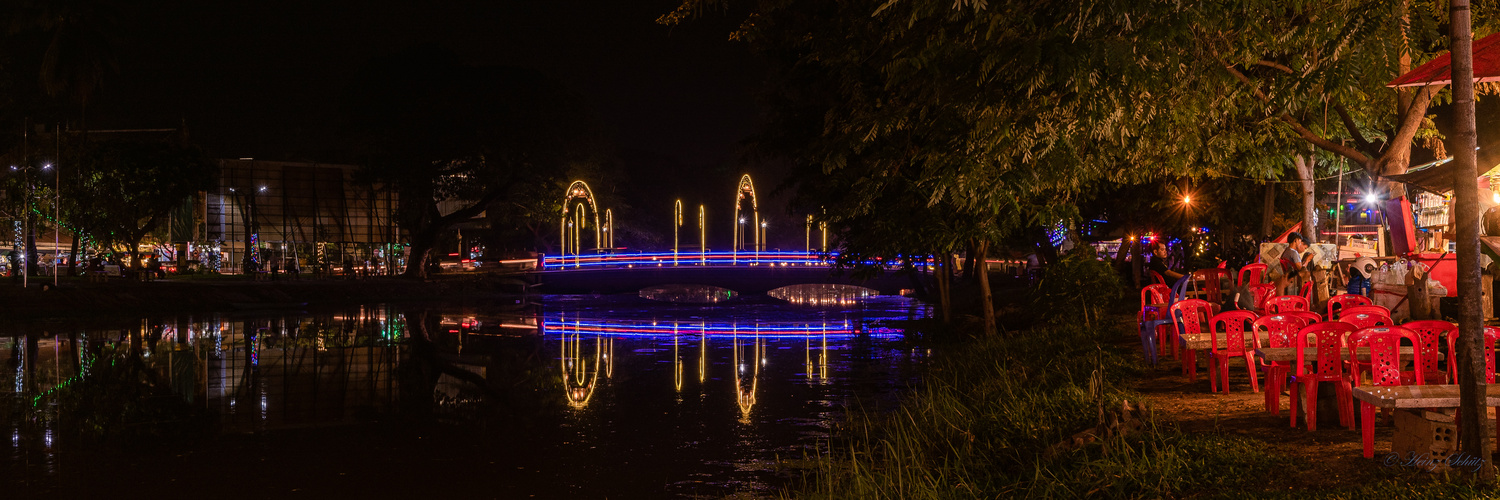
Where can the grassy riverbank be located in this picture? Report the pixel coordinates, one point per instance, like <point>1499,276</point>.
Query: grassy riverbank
<point>989,417</point>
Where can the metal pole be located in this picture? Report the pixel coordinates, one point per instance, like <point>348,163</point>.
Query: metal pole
<point>56,211</point>
<point>1338,211</point>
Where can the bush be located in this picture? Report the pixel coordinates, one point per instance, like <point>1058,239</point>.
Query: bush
<point>1079,286</point>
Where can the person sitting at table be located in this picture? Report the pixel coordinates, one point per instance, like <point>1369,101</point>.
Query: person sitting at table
<point>1159,262</point>
<point>1292,264</point>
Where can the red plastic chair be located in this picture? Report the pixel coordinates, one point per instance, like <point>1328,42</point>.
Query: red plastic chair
<point>1280,331</point>
<point>1328,337</point>
<point>1190,315</point>
<point>1212,279</point>
<point>1286,303</point>
<point>1262,293</point>
<point>1235,324</point>
<point>1360,338</point>
<point>1430,334</point>
<point>1385,363</point>
<point>1306,292</point>
<point>1363,320</point>
<point>1369,309</point>
<point>1310,316</point>
<point>1337,303</point>
<point>1158,277</point>
<point>1490,335</point>
<point>1254,271</point>
<point>1156,295</point>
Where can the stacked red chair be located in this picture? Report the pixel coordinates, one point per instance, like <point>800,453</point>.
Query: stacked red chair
<point>1385,370</point>
<point>1231,326</point>
<point>1280,331</point>
<point>1337,303</point>
<point>1328,337</point>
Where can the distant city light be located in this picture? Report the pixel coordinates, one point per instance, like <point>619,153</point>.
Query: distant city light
<point>46,166</point>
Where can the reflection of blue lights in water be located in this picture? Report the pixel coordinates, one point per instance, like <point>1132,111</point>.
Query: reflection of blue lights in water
<point>632,316</point>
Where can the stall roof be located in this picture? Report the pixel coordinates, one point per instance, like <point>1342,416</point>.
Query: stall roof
<point>1486,66</point>
<point>1435,177</point>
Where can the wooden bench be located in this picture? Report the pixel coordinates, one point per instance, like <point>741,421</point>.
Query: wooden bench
<point>1310,354</point>
<point>1409,396</point>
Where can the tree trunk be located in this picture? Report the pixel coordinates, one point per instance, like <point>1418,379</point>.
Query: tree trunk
<point>1268,215</point>
<point>1473,436</point>
<point>73,255</point>
<point>969,262</point>
<point>987,302</point>
<point>422,243</point>
<point>33,257</point>
<point>1304,167</point>
<point>944,280</point>
<point>1137,267</point>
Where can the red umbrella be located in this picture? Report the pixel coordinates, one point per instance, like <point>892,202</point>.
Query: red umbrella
<point>1486,66</point>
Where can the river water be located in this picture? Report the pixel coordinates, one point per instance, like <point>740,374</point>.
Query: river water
<point>564,397</point>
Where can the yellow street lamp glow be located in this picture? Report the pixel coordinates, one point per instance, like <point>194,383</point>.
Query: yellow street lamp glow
<point>702,237</point>
<point>1187,200</point>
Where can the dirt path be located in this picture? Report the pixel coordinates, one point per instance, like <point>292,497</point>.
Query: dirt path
<point>1328,456</point>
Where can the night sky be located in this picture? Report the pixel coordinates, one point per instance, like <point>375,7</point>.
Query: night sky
<point>262,78</point>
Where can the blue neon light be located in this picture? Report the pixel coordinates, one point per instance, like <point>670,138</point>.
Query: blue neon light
<point>768,331</point>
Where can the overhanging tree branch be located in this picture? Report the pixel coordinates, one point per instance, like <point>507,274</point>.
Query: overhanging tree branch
<point>1304,132</point>
<point>1359,138</point>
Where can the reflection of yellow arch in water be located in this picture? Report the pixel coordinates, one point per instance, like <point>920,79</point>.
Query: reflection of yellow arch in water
<point>676,361</point>
<point>743,396</point>
<point>703,357</point>
<point>580,378</point>
<point>821,370</point>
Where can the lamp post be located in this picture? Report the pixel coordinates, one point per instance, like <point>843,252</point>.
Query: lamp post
<point>676,225</point>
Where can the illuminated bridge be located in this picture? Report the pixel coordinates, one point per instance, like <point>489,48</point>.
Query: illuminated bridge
<point>747,268</point>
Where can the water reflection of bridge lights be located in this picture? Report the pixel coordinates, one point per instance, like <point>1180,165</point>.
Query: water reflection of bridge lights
<point>744,394</point>
<point>580,377</point>
<point>624,328</point>
<point>821,371</point>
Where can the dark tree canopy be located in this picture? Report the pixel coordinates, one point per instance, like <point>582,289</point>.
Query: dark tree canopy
<point>435,129</point>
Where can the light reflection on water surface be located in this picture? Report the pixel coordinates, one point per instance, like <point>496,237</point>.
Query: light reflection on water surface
<point>609,395</point>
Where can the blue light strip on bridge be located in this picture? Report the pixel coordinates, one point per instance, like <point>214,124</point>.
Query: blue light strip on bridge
<point>764,330</point>
<point>665,259</point>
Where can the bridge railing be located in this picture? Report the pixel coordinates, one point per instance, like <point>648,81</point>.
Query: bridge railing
<point>669,259</point>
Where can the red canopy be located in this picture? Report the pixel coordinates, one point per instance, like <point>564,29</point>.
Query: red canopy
<point>1283,237</point>
<point>1486,66</point>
